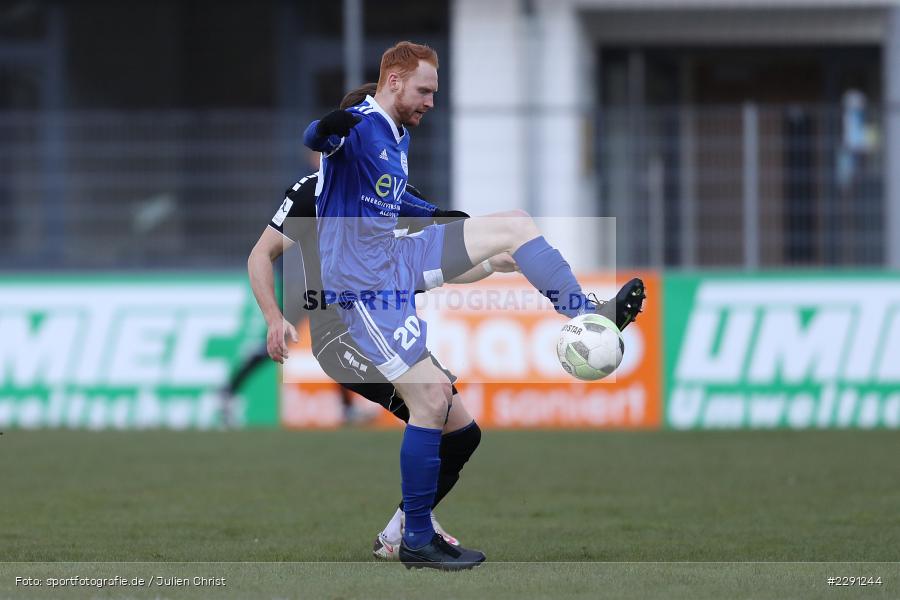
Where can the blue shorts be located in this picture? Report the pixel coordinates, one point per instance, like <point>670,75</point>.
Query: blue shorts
<point>383,323</point>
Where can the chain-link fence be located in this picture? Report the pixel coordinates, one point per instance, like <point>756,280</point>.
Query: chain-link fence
<point>745,185</point>
<point>139,189</point>
<point>168,189</point>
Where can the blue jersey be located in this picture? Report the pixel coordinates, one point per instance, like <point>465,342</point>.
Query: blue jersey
<point>362,191</point>
<point>361,194</point>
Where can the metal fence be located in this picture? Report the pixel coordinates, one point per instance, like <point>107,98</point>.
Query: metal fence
<point>138,189</point>
<point>749,185</point>
<point>169,189</point>
<point>746,185</point>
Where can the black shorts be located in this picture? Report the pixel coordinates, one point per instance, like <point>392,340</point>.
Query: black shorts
<point>344,363</point>
<point>454,257</point>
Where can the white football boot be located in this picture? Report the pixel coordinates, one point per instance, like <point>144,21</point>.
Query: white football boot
<point>440,531</point>
<point>385,549</point>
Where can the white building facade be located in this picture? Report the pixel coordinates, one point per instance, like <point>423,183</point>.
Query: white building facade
<point>528,89</point>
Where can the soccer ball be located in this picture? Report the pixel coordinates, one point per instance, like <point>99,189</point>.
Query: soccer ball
<point>590,347</point>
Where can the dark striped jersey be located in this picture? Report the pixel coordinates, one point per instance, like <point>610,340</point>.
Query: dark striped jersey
<point>296,220</point>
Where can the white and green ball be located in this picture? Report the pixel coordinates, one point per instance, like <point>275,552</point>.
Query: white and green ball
<point>590,347</point>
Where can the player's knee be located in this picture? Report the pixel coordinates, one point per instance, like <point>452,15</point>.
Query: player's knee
<point>474,439</point>
<point>440,396</point>
<point>520,226</point>
<point>457,447</point>
<point>434,401</point>
<point>510,228</point>
<point>469,439</point>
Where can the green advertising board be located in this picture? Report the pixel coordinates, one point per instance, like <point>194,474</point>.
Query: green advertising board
<point>793,351</point>
<point>126,352</point>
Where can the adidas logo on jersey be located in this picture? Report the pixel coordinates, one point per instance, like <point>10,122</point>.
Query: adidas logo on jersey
<point>383,155</point>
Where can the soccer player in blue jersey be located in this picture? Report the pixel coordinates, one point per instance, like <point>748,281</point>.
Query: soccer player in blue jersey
<point>363,176</point>
<point>334,349</point>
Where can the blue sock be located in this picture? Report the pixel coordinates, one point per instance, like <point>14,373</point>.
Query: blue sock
<point>420,465</point>
<point>546,269</point>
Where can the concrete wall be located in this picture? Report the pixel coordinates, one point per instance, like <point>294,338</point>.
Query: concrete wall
<point>523,90</point>
<point>518,129</point>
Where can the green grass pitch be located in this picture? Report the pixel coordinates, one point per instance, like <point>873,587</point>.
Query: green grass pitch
<point>559,514</point>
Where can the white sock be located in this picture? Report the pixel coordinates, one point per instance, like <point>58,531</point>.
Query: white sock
<point>392,531</point>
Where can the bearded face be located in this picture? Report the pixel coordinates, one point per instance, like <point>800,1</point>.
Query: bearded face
<point>416,94</point>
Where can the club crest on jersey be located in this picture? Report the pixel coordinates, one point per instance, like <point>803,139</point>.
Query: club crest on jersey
<point>403,163</point>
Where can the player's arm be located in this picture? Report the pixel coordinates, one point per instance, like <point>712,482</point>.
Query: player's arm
<point>417,213</point>
<point>328,133</point>
<point>287,225</point>
<point>268,248</point>
<point>412,205</point>
<point>270,245</point>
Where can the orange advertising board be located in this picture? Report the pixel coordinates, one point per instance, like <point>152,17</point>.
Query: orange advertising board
<point>499,337</point>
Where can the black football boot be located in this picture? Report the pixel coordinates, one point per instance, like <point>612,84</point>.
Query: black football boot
<point>625,307</point>
<point>438,554</point>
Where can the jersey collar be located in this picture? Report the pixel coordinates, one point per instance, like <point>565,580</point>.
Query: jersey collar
<point>397,135</point>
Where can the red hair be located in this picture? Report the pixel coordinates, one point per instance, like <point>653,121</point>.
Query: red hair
<point>403,59</point>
